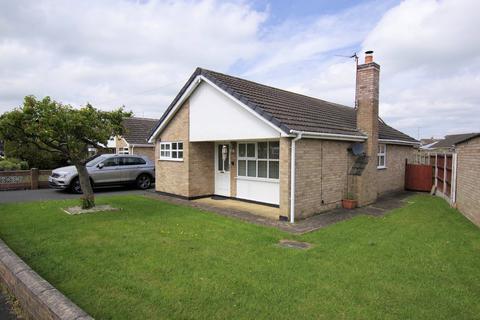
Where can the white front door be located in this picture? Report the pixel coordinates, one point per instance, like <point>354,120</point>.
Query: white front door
<point>222,169</point>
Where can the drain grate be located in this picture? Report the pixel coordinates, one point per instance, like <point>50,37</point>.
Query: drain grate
<point>294,244</point>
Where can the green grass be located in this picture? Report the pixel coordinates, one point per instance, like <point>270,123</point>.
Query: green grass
<point>154,260</point>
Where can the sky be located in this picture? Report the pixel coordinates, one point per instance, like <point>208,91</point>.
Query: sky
<point>138,54</point>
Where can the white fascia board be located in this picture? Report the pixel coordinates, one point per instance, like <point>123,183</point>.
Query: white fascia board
<point>142,145</point>
<point>329,136</point>
<point>190,90</point>
<point>282,133</point>
<point>172,112</point>
<point>399,142</point>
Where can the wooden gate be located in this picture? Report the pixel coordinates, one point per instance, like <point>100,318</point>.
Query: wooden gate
<point>419,177</point>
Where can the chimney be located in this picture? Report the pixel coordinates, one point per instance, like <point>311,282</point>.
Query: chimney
<point>367,93</point>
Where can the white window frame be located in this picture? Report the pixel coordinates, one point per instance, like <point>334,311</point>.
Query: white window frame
<point>125,150</point>
<point>166,150</point>
<point>382,153</point>
<point>256,159</point>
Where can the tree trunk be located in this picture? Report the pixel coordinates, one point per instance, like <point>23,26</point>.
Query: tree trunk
<point>88,198</point>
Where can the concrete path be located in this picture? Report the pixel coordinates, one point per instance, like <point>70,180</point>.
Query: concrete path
<point>382,206</point>
<point>53,194</point>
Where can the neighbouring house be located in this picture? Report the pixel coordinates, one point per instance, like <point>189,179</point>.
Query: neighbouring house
<point>448,143</point>
<point>426,144</point>
<point>231,137</point>
<point>135,136</point>
<point>468,176</point>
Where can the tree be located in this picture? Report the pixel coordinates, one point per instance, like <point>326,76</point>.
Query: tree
<point>35,157</point>
<point>63,130</point>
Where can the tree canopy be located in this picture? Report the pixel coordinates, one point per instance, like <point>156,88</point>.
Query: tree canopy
<point>61,129</point>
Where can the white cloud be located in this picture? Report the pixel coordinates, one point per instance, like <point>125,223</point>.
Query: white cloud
<point>113,52</point>
<point>139,53</point>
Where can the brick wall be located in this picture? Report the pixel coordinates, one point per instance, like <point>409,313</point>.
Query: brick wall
<point>24,179</point>
<point>392,178</point>
<point>120,143</point>
<point>172,176</point>
<point>321,175</point>
<point>367,92</point>
<point>144,151</point>
<point>468,179</point>
<point>201,169</point>
<point>284,171</point>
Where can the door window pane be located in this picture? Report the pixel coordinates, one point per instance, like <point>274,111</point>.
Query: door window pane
<point>242,168</point>
<point>241,150</point>
<point>223,165</point>
<point>112,162</point>
<point>252,168</point>
<point>262,169</point>
<point>273,150</point>
<point>273,170</point>
<point>251,150</point>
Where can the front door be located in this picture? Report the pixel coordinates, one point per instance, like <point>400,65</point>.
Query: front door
<point>222,169</point>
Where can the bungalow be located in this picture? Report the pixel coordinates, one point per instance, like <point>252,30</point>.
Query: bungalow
<point>235,138</point>
<point>135,136</point>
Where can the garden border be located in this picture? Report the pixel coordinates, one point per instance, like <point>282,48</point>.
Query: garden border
<point>38,298</point>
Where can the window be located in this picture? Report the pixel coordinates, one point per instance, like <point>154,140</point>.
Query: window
<point>259,159</point>
<point>223,166</point>
<point>111,162</point>
<point>171,151</point>
<point>131,161</point>
<point>123,151</point>
<point>382,156</point>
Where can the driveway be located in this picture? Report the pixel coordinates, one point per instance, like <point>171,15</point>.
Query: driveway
<point>53,194</point>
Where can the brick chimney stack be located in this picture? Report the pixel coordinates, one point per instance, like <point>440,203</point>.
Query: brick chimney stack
<point>367,93</point>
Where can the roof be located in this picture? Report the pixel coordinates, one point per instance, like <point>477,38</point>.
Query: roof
<point>428,141</point>
<point>451,140</point>
<point>137,130</point>
<point>288,110</point>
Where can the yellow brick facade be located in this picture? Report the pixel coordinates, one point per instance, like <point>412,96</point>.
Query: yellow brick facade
<point>392,178</point>
<point>468,178</point>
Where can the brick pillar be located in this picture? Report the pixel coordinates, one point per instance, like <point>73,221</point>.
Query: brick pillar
<point>285,153</point>
<point>34,178</point>
<point>367,94</point>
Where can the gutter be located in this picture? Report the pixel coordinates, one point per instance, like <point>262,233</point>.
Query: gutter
<point>400,142</point>
<point>329,136</point>
<point>292,177</point>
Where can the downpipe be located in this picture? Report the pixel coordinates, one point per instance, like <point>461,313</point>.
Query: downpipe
<point>292,177</point>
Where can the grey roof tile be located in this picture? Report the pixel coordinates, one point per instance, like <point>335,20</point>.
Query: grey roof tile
<point>288,110</point>
<point>137,130</point>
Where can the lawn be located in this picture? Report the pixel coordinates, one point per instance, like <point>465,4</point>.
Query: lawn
<point>155,260</point>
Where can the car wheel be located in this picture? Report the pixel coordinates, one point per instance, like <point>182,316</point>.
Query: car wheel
<point>75,186</point>
<point>144,181</point>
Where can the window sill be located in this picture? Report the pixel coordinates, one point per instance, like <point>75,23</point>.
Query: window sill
<point>174,160</point>
<point>258,179</point>
<point>381,168</point>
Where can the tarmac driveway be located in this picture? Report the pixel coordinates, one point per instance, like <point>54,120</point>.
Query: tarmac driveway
<point>53,194</point>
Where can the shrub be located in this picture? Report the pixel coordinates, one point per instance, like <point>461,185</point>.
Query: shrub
<point>7,165</point>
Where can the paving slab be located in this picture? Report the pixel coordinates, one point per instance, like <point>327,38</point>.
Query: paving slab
<point>383,205</point>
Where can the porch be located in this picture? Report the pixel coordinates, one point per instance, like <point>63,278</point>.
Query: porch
<point>261,210</point>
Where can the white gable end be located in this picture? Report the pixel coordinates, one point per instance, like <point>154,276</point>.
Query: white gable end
<point>216,117</point>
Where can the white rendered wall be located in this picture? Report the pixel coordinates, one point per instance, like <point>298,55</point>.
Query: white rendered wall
<point>215,117</point>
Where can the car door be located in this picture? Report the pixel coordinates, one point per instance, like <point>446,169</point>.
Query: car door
<point>106,171</point>
<point>133,167</point>
<point>125,169</point>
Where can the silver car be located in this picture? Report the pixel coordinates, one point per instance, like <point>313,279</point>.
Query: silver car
<point>105,170</point>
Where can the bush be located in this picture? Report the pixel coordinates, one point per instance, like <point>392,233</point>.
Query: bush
<point>7,165</point>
